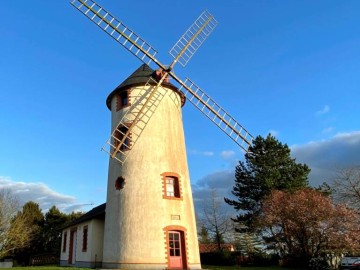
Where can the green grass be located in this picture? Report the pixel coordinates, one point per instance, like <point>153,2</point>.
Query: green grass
<point>46,268</point>
<point>210,267</point>
<point>213,267</point>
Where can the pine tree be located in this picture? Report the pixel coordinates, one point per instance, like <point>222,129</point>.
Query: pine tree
<point>55,220</point>
<point>268,166</point>
<point>204,235</point>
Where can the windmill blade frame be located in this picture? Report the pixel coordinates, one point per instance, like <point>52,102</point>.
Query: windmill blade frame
<point>117,30</point>
<point>193,38</point>
<point>215,113</point>
<point>182,52</point>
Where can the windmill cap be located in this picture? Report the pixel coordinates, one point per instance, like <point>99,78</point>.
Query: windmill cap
<point>141,77</point>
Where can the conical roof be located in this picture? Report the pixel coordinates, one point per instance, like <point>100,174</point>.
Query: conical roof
<point>140,77</point>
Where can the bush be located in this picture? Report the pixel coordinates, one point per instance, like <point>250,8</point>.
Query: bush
<point>218,258</point>
<point>319,263</point>
<point>236,258</point>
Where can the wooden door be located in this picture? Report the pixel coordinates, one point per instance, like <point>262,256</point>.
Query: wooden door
<point>177,258</point>
<point>72,249</point>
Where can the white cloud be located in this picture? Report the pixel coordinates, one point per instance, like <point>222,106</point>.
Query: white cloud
<point>41,194</point>
<point>324,110</point>
<point>327,156</point>
<point>208,153</point>
<point>227,154</point>
<point>323,157</point>
<point>221,181</point>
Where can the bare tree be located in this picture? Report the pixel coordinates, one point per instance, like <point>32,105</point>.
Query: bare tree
<point>14,230</point>
<point>216,221</point>
<point>346,187</point>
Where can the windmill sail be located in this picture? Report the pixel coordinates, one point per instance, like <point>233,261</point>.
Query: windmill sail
<point>193,38</point>
<point>117,30</point>
<point>215,113</point>
<point>182,52</point>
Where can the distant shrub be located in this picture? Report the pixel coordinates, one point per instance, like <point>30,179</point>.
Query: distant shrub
<point>319,263</point>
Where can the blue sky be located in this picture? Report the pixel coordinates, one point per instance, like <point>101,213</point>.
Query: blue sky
<point>286,67</point>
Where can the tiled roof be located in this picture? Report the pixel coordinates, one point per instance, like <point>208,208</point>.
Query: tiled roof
<point>97,212</point>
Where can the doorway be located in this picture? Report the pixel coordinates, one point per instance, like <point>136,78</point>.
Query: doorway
<point>176,250</point>
<point>72,249</point>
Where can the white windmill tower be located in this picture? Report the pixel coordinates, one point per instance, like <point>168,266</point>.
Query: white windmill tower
<point>150,220</point>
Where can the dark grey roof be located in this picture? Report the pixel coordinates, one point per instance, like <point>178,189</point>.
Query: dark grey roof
<point>97,212</point>
<point>139,77</point>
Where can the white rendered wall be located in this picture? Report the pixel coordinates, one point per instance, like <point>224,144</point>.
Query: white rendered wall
<point>137,214</point>
<point>64,256</point>
<point>93,254</point>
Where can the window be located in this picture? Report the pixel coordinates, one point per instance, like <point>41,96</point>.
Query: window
<point>85,238</point>
<point>171,186</point>
<point>122,100</point>
<point>119,183</point>
<point>119,135</point>
<point>64,241</point>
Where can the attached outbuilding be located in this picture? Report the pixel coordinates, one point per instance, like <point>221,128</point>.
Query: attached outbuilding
<point>82,240</point>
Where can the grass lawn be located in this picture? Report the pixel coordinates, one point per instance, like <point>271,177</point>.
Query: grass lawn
<point>46,268</point>
<point>213,267</point>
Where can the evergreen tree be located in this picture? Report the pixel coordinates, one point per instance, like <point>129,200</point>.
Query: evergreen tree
<point>325,189</point>
<point>204,235</point>
<point>248,243</point>
<point>54,222</point>
<point>268,166</point>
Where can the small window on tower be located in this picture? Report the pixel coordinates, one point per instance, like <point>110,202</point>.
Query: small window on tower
<point>118,137</point>
<point>172,187</point>
<point>122,100</point>
<point>120,183</point>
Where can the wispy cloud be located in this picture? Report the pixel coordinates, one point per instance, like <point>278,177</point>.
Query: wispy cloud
<point>328,130</point>
<point>227,154</point>
<point>201,153</point>
<point>41,194</point>
<point>324,110</point>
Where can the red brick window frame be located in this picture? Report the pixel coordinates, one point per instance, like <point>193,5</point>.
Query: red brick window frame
<point>64,242</point>
<point>171,186</point>
<point>119,134</point>
<point>123,99</point>
<point>85,238</point>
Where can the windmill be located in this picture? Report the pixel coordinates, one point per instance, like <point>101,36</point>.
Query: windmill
<point>151,172</point>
